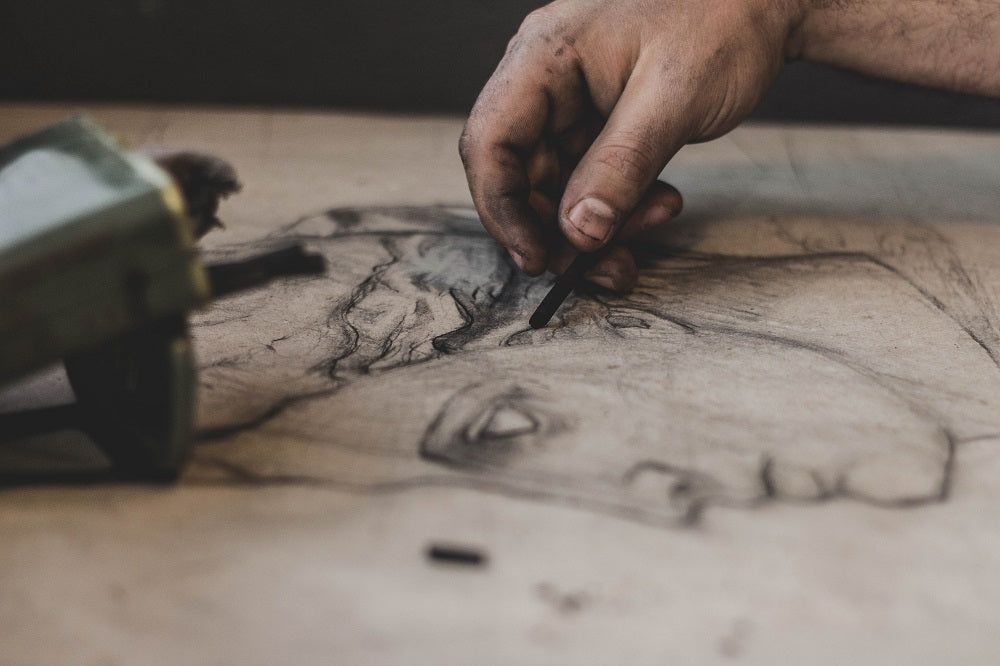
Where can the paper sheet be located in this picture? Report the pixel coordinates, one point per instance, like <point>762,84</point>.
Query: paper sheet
<point>781,448</point>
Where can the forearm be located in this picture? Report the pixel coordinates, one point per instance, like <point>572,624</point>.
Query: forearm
<point>952,44</point>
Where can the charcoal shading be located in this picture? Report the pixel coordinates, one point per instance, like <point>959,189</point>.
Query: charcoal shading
<point>821,362</point>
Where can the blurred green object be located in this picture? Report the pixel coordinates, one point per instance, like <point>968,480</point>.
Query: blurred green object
<point>94,242</point>
<point>98,267</point>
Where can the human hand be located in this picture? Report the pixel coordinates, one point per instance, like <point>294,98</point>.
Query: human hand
<point>592,99</point>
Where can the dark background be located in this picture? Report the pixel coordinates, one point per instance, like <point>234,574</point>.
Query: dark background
<point>376,54</point>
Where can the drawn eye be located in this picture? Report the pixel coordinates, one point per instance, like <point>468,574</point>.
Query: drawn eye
<point>488,426</point>
<point>501,422</point>
<point>626,321</point>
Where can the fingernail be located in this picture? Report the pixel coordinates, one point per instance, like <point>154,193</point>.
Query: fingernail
<point>603,281</point>
<point>518,258</point>
<point>593,218</point>
<point>523,262</point>
<point>653,218</point>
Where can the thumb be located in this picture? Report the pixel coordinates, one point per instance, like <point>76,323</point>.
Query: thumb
<point>639,138</point>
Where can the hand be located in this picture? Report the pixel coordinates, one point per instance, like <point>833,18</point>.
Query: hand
<point>590,102</point>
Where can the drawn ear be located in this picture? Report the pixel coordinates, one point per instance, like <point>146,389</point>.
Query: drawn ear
<point>431,286</point>
<point>666,490</point>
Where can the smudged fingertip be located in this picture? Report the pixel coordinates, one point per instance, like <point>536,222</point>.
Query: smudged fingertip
<point>617,282</point>
<point>616,271</point>
<point>606,281</point>
<point>530,264</point>
<point>616,275</point>
<point>673,201</point>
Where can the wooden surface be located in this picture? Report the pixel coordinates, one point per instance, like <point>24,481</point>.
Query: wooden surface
<point>782,448</point>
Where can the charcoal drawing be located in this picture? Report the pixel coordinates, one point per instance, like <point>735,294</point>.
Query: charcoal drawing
<point>824,361</point>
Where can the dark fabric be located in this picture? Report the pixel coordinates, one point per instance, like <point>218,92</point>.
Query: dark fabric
<point>379,54</point>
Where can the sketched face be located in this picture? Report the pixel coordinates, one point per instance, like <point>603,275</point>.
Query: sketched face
<point>721,380</point>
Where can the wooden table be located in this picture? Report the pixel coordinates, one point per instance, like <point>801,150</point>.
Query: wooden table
<point>782,448</point>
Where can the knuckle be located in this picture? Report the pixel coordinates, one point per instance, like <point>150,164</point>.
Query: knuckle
<point>537,18</point>
<point>538,29</point>
<point>529,32</point>
<point>631,161</point>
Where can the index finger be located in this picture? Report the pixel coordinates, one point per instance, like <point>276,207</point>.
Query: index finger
<point>504,128</point>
